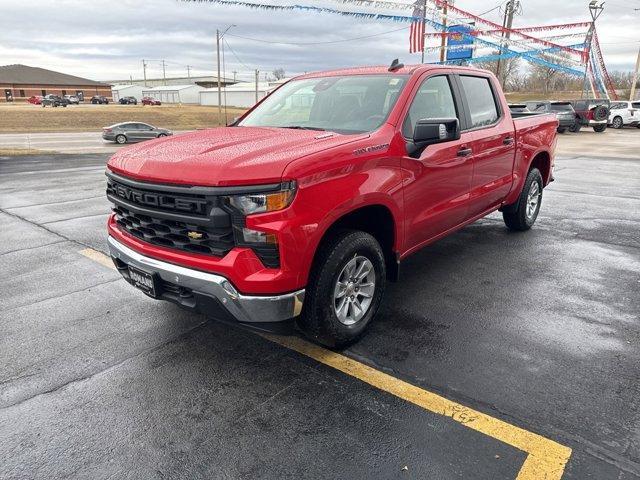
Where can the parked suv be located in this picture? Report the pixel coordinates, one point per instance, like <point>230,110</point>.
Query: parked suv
<point>150,101</point>
<point>73,99</point>
<point>563,111</point>
<point>591,112</point>
<point>624,113</point>
<point>305,209</point>
<point>128,101</point>
<point>99,99</point>
<point>54,101</point>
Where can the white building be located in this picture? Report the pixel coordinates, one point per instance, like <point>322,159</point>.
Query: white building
<point>238,95</point>
<point>174,93</point>
<point>119,91</point>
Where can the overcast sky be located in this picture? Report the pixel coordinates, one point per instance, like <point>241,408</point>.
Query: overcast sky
<point>108,40</point>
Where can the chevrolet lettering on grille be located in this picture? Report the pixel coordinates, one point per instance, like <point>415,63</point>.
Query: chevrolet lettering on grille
<point>159,200</point>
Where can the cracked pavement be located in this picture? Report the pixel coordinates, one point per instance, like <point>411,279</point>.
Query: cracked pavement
<point>539,329</point>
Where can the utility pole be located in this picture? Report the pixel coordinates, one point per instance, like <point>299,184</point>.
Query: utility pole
<point>164,73</point>
<point>635,79</point>
<point>189,72</point>
<point>507,23</point>
<point>424,26</point>
<point>219,84</point>
<point>595,10</point>
<point>443,42</point>
<point>257,79</point>
<point>144,71</point>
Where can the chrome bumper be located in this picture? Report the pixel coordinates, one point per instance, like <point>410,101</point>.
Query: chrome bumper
<point>244,308</point>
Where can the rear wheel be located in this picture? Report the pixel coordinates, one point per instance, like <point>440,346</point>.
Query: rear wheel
<point>121,139</point>
<point>617,123</point>
<point>575,128</point>
<point>522,215</point>
<point>600,128</point>
<point>344,290</point>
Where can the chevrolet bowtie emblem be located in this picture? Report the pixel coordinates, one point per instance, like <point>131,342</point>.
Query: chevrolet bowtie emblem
<point>194,235</point>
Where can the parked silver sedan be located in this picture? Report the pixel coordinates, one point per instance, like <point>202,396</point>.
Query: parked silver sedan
<point>133,132</point>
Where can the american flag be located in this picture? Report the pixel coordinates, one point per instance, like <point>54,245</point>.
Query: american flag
<point>416,31</point>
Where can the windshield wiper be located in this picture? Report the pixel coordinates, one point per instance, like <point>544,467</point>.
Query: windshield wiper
<point>300,127</point>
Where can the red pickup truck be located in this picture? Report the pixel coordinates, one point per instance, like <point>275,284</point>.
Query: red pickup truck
<point>307,205</point>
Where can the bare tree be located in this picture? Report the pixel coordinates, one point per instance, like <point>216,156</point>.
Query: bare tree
<point>510,68</point>
<point>278,73</point>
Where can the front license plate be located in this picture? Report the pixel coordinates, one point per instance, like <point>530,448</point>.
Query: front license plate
<point>143,280</point>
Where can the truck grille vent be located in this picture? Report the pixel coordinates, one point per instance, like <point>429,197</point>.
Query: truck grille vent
<point>173,234</point>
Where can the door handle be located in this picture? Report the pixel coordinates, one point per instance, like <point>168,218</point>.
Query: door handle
<point>507,140</point>
<point>464,152</point>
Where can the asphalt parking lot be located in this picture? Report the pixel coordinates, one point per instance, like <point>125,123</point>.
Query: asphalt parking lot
<point>497,356</point>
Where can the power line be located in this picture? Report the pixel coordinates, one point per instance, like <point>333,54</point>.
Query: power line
<point>235,55</point>
<point>317,43</point>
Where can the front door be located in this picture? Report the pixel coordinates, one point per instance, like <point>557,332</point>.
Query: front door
<point>436,187</point>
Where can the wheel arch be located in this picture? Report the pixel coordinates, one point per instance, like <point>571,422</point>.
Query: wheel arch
<point>376,219</point>
<point>542,161</point>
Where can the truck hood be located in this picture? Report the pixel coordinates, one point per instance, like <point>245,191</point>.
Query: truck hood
<point>223,156</point>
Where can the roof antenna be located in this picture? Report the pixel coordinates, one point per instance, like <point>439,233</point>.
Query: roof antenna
<point>395,65</point>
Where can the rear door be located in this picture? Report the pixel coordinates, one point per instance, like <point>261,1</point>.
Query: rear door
<point>437,181</point>
<point>493,144</point>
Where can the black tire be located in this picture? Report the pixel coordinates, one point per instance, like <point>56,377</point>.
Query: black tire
<point>575,128</point>
<point>617,122</point>
<point>160,135</point>
<point>515,216</point>
<point>600,113</point>
<point>121,139</point>
<point>562,129</point>
<point>600,128</point>
<point>319,321</point>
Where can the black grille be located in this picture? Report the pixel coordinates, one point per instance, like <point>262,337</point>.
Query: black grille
<point>191,219</point>
<point>174,234</point>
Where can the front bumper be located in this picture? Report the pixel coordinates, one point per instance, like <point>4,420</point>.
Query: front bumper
<point>207,293</point>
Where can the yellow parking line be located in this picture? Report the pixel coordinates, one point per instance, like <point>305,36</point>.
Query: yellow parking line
<point>99,257</point>
<point>546,459</point>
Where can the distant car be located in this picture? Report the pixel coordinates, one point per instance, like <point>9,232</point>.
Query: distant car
<point>150,101</point>
<point>128,101</point>
<point>624,113</point>
<point>592,112</point>
<point>72,99</point>
<point>563,110</point>
<point>54,101</point>
<point>35,99</point>
<point>133,132</point>
<point>99,99</point>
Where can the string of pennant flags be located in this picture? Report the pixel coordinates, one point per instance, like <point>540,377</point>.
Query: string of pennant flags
<point>579,59</point>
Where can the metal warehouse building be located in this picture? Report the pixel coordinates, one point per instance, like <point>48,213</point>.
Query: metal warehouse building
<point>174,93</point>
<point>120,91</point>
<point>19,82</point>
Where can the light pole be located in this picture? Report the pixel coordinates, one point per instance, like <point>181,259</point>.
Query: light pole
<point>595,9</point>
<point>218,38</point>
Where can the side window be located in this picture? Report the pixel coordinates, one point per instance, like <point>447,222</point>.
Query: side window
<point>433,100</point>
<point>482,104</point>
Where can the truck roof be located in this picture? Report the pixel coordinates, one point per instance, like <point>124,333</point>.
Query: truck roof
<point>384,70</point>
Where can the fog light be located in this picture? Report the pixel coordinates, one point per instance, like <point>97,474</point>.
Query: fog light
<point>255,236</point>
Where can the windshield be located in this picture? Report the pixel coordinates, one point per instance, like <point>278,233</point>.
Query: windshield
<point>343,104</point>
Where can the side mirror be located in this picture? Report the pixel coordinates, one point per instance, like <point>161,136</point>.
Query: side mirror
<point>429,131</point>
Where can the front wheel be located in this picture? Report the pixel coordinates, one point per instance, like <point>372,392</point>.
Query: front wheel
<point>344,290</point>
<point>561,129</point>
<point>600,128</point>
<point>523,214</point>
<point>121,139</point>
<point>575,128</point>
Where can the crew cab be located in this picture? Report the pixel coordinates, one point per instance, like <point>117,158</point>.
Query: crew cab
<point>309,203</point>
<point>54,101</point>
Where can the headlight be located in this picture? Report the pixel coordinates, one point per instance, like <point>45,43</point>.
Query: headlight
<point>263,202</point>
